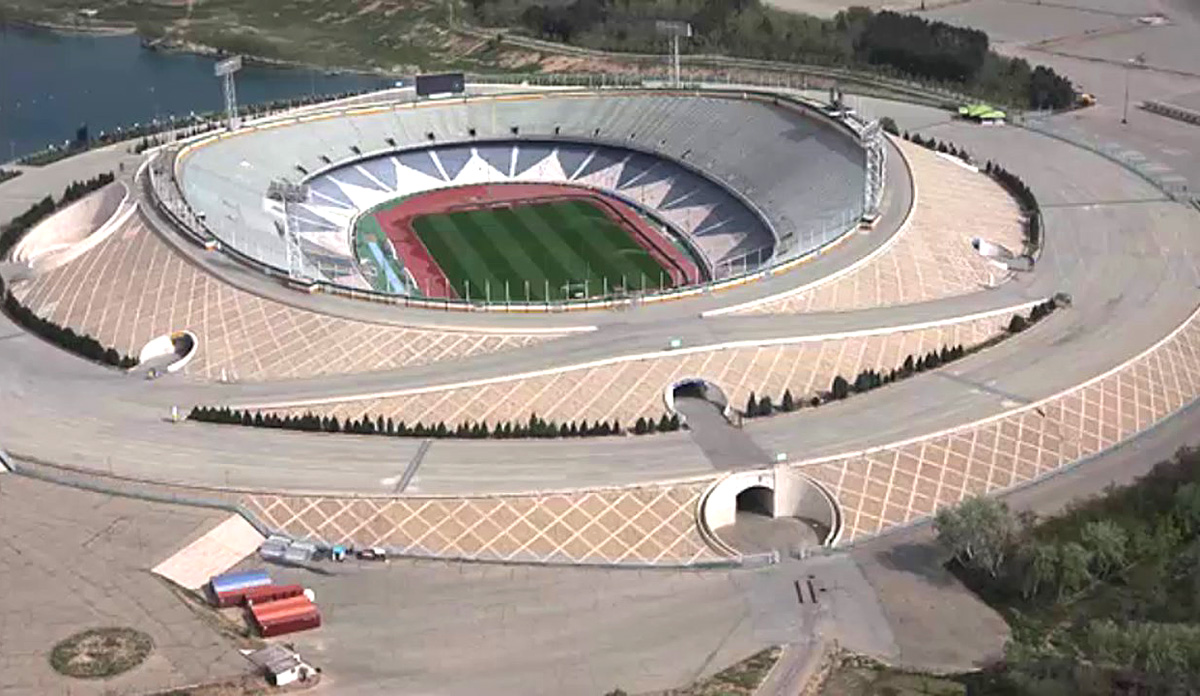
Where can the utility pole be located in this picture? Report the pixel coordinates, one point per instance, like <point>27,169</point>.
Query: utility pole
<point>1139,60</point>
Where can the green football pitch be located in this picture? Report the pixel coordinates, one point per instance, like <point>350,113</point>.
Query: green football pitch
<point>555,250</point>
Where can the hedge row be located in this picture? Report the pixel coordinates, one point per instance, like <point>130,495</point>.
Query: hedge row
<point>535,427</point>
<point>82,345</point>
<point>6,174</point>
<point>1011,182</point>
<point>14,230</point>
<point>872,379</point>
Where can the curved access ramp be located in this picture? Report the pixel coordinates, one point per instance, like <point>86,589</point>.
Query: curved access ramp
<point>73,231</point>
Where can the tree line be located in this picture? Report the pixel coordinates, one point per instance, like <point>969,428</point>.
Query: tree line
<point>901,45</point>
<point>11,233</point>
<point>80,344</point>
<point>534,427</point>
<point>192,124</point>
<point>869,379</point>
<point>1103,596</point>
<point>1012,183</point>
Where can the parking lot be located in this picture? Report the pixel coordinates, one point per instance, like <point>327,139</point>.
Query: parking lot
<point>75,560</point>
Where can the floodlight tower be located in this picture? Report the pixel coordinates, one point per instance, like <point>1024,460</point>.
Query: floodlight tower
<point>225,70</point>
<point>675,30</point>
<point>290,194</point>
<point>872,141</point>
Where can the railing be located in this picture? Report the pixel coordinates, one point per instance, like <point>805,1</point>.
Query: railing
<point>167,194</point>
<point>1154,173</point>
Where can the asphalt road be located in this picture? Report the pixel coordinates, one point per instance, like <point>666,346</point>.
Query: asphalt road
<point>1127,258</point>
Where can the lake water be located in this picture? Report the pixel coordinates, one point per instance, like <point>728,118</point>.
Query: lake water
<point>50,84</point>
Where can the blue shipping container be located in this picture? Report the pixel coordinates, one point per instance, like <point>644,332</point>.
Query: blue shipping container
<point>232,582</point>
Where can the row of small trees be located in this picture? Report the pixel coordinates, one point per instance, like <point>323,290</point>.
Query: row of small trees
<point>80,344</point>
<point>14,230</point>
<point>945,147</point>
<point>78,189</point>
<point>841,388</point>
<point>534,427</point>
<point>873,379</point>
<point>1011,182</point>
<point>1024,195</point>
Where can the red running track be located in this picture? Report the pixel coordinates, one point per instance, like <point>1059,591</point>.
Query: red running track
<point>396,222</point>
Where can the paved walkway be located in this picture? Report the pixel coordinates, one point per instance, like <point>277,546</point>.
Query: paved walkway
<point>631,388</point>
<point>133,287</point>
<point>76,560</point>
<point>725,446</point>
<point>932,258</point>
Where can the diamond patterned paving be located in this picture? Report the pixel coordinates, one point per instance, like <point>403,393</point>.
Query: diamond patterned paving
<point>905,482</point>
<point>643,525</point>
<point>932,258</point>
<point>133,287</point>
<point>878,489</point>
<point>632,389</point>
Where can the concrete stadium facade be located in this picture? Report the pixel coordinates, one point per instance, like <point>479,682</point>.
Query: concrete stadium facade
<point>790,184</point>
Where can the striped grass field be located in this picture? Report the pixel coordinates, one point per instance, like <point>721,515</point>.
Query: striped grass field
<point>537,251</point>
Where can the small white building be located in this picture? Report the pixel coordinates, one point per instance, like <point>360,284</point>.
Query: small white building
<point>281,666</point>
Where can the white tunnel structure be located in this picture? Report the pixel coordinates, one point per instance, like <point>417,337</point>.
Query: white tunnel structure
<point>786,493</point>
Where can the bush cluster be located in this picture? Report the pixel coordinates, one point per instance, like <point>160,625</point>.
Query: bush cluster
<point>6,174</point>
<point>1102,595</point>
<point>535,427</point>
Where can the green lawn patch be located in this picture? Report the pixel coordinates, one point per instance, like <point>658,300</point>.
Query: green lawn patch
<point>541,251</point>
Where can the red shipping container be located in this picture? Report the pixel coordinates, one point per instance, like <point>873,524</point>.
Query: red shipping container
<point>285,615</point>
<point>271,593</point>
<point>300,623</point>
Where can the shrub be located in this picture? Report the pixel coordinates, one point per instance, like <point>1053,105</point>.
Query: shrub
<point>840,388</point>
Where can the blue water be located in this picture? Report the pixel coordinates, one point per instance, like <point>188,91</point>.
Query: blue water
<point>50,84</point>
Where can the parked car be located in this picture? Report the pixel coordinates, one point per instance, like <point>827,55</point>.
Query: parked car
<point>373,553</point>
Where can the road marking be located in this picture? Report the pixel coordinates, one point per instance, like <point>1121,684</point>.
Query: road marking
<point>411,470</point>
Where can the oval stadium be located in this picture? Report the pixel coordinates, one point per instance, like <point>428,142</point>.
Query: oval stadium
<point>786,182</point>
<point>687,369</point>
